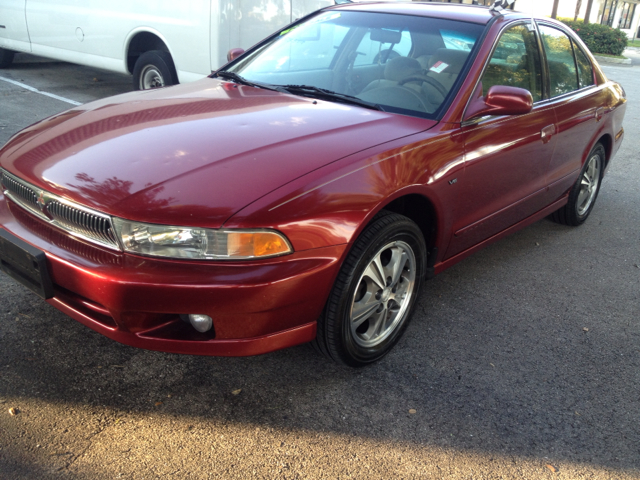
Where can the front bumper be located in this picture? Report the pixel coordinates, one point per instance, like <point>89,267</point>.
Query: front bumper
<point>257,306</point>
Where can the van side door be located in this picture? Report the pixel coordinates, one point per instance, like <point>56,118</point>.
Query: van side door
<point>56,25</point>
<point>13,26</point>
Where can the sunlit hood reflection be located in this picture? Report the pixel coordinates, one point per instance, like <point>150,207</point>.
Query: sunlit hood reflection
<point>204,149</point>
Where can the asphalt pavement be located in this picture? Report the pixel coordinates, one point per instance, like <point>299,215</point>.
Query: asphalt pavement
<point>634,54</point>
<point>523,361</point>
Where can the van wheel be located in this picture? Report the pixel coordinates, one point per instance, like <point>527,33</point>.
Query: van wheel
<point>6,57</point>
<point>154,69</point>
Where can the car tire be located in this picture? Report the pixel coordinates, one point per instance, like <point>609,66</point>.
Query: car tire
<point>154,69</point>
<point>584,192</point>
<point>363,319</point>
<point>6,57</point>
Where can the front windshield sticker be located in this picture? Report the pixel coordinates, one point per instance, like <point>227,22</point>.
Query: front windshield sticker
<point>284,32</point>
<point>438,67</point>
<point>326,17</point>
<point>319,19</point>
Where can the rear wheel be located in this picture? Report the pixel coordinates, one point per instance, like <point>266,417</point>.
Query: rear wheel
<point>6,57</point>
<point>375,293</point>
<point>154,69</point>
<point>584,192</point>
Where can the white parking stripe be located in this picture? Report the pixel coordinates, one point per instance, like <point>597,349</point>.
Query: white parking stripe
<point>35,90</point>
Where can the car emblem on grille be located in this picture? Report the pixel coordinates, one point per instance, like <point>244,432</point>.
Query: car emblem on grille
<point>41,201</point>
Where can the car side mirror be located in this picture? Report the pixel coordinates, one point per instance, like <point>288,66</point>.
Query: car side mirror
<point>501,100</point>
<point>234,53</point>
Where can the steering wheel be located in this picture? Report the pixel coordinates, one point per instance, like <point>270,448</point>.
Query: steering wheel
<point>442,90</point>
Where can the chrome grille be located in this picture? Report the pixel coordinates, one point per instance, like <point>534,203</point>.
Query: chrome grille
<point>71,217</point>
<point>83,222</point>
<point>20,190</point>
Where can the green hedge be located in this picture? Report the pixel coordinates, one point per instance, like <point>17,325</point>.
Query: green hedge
<point>599,38</point>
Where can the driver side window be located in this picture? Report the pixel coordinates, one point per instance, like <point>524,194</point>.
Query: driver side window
<point>515,63</point>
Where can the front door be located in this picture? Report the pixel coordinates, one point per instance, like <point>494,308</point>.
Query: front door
<point>506,157</point>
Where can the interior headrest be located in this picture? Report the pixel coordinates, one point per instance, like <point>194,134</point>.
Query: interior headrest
<point>401,67</point>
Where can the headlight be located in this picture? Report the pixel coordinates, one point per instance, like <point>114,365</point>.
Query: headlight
<point>199,243</point>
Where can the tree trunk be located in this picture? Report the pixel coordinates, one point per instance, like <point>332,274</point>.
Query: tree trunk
<point>587,14</point>
<point>578,5</point>
<point>554,12</point>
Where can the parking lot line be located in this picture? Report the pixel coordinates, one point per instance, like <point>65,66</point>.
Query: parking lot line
<point>35,90</point>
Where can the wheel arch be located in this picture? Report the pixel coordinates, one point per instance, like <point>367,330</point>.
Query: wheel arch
<point>420,210</point>
<point>141,41</point>
<point>607,143</point>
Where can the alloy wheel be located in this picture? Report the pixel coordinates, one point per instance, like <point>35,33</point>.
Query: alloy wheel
<point>589,184</point>
<point>383,294</point>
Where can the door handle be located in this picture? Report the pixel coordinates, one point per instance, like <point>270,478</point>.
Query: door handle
<point>599,113</point>
<point>547,132</point>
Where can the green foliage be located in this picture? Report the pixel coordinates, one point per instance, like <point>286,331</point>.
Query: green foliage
<point>599,38</point>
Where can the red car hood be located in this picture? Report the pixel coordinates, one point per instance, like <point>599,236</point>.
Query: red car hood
<point>193,154</point>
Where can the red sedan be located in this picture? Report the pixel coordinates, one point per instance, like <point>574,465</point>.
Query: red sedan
<point>304,191</point>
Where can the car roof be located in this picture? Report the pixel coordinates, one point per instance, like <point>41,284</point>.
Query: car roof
<point>450,11</point>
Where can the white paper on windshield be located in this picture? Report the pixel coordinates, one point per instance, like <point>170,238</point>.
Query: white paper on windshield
<point>438,67</point>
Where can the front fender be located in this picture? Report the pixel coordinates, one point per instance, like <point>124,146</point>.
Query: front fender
<point>332,205</point>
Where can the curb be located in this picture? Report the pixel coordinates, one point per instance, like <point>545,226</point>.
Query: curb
<point>613,60</point>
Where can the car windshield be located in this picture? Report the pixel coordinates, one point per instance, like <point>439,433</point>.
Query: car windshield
<point>397,63</point>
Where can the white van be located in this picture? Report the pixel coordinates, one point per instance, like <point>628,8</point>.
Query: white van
<point>161,42</point>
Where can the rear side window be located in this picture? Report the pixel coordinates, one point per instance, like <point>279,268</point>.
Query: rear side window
<point>515,63</point>
<point>585,70</point>
<point>563,77</point>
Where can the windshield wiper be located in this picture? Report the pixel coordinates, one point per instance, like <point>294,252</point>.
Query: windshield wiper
<point>323,93</point>
<point>243,81</point>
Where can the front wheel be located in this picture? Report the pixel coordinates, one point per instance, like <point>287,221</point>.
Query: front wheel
<point>154,69</point>
<point>375,293</point>
<point>582,196</point>
<point>6,57</point>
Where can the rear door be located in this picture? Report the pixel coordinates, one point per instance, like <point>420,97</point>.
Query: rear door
<point>577,102</point>
<point>13,26</point>
<point>506,157</point>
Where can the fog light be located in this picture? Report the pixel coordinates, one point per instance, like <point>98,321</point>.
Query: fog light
<point>201,323</point>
